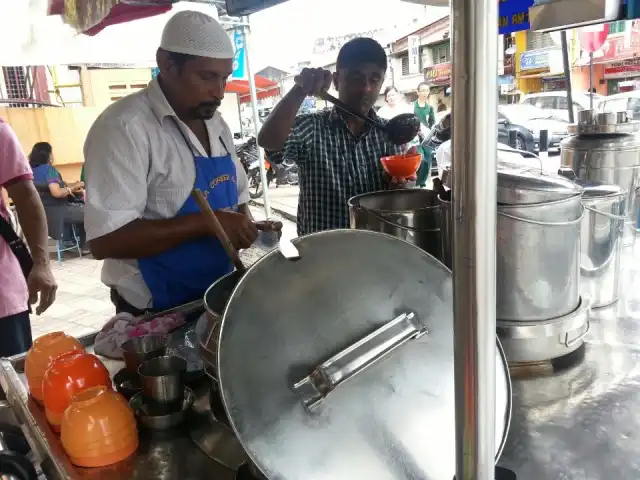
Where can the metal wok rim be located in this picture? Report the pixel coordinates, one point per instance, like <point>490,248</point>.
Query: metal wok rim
<point>505,366</point>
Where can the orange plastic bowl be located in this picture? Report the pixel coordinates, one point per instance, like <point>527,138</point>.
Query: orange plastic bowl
<point>98,428</point>
<point>401,166</point>
<point>69,374</point>
<point>44,350</point>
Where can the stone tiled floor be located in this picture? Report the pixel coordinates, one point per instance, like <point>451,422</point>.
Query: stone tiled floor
<point>82,304</point>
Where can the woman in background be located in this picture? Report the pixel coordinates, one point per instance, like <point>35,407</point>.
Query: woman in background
<point>44,173</point>
<point>395,104</point>
<point>56,193</point>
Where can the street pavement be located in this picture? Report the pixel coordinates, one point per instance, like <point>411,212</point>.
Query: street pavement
<point>283,201</point>
<point>82,304</point>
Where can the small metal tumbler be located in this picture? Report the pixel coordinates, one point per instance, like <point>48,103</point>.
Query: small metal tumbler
<point>138,350</point>
<point>163,384</point>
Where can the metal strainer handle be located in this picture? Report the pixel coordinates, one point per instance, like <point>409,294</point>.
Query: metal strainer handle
<point>327,376</point>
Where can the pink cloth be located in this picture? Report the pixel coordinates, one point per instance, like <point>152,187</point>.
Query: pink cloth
<point>14,297</point>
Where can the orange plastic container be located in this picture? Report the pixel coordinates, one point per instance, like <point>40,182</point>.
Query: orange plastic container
<point>98,428</point>
<point>44,350</point>
<point>68,375</point>
<point>402,166</point>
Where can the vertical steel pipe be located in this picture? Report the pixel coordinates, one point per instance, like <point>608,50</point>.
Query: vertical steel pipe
<point>256,118</point>
<point>474,120</point>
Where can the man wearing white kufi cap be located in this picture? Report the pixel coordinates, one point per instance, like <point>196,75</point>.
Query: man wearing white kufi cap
<point>143,157</point>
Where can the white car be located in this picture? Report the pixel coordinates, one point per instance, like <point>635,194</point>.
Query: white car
<point>556,103</point>
<point>621,102</point>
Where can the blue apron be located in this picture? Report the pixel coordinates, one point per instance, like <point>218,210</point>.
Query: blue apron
<point>184,273</point>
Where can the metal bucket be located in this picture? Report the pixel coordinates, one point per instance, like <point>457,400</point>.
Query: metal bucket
<point>538,260</point>
<point>446,232</point>
<point>412,215</point>
<point>601,245</point>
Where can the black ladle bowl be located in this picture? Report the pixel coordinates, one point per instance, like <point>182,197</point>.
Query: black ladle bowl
<point>400,130</point>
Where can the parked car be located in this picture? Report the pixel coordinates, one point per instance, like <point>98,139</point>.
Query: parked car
<point>621,102</point>
<point>527,121</point>
<point>555,103</point>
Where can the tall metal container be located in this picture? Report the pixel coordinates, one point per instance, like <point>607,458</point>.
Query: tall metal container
<point>538,245</point>
<point>601,244</point>
<point>605,148</point>
<point>413,215</point>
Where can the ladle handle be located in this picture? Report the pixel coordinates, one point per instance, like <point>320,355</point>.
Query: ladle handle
<point>217,229</point>
<point>327,376</point>
<point>347,109</point>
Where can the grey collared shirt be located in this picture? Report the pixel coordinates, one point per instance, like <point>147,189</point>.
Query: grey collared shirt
<point>334,166</point>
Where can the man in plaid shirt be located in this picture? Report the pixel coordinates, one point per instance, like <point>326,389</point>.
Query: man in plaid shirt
<point>338,155</point>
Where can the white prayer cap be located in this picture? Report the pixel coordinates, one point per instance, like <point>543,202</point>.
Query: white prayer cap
<point>196,33</point>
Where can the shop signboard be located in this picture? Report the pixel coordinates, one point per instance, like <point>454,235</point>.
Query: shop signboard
<point>623,69</point>
<point>439,74</point>
<point>239,56</point>
<point>513,15</point>
<point>534,60</point>
<point>414,54</point>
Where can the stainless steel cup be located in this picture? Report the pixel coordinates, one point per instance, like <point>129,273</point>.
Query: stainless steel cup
<point>138,350</point>
<point>163,384</point>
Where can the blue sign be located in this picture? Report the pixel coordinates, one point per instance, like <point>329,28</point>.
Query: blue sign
<point>239,58</point>
<point>513,15</point>
<point>534,59</point>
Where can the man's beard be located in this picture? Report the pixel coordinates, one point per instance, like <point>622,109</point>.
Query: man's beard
<point>205,110</point>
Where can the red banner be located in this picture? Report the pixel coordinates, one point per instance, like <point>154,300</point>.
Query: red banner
<point>623,69</point>
<point>439,74</point>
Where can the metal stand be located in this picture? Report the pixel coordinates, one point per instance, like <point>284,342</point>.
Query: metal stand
<point>474,146</point>
<point>256,118</point>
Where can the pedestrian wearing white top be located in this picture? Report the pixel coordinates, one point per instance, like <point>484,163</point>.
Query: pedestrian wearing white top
<point>143,157</point>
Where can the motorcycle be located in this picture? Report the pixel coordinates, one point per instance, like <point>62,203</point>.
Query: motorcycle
<point>283,172</point>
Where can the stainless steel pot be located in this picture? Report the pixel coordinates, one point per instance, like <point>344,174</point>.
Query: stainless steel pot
<point>446,232</point>
<point>540,341</point>
<point>409,214</point>
<point>358,306</point>
<point>611,158</point>
<point>601,242</point>
<point>523,186</point>
<point>538,260</point>
<point>208,330</point>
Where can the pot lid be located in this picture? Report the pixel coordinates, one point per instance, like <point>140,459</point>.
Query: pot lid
<point>594,189</point>
<point>358,306</point>
<point>525,186</point>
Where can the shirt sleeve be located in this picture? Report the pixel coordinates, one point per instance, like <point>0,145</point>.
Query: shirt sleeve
<point>242,181</point>
<point>295,147</point>
<point>13,162</point>
<point>116,167</point>
<point>53,176</point>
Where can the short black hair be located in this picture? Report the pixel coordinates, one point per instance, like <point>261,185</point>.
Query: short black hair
<point>178,59</point>
<point>361,50</point>
<point>389,89</point>
<point>40,154</point>
<point>425,84</point>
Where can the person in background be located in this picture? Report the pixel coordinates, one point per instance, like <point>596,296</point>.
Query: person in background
<point>16,294</point>
<point>56,193</point>
<point>427,117</point>
<point>395,104</point>
<point>146,153</point>
<point>44,173</point>
<point>338,155</point>
<point>441,106</point>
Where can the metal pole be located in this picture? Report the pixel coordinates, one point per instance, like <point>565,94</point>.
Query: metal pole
<point>591,81</point>
<point>256,118</point>
<point>474,120</point>
<point>567,73</point>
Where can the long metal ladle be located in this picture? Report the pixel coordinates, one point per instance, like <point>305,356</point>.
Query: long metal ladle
<point>401,129</point>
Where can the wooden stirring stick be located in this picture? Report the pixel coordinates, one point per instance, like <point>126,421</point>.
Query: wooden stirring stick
<point>217,229</point>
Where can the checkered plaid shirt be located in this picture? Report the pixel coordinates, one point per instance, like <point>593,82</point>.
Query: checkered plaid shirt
<point>334,166</point>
